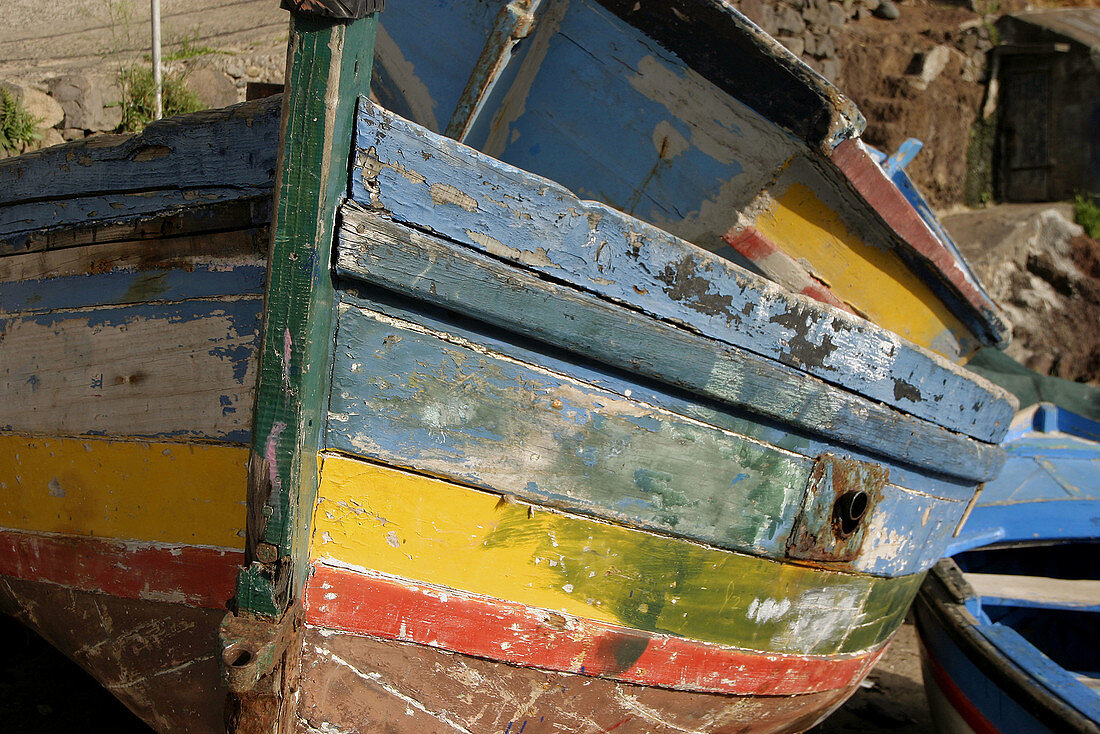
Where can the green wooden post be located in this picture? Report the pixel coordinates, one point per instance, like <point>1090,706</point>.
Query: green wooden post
<point>328,67</point>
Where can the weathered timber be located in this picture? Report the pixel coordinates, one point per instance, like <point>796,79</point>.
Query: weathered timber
<point>181,370</point>
<point>925,254</point>
<point>328,66</point>
<point>158,658</point>
<point>424,529</point>
<point>1036,591</point>
<point>365,604</point>
<point>438,185</point>
<point>408,396</point>
<point>171,269</point>
<point>195,218</point>
<point>220,154</point>
<point>175,493</point>
<point>458,330</point>
<point>360,683</point>
<point>441,272</point>
<point>195,576</point>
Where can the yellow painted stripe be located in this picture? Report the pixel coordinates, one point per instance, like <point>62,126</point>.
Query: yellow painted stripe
<point>147,491</point>
<point>432,531</point>
<point>873,280</point>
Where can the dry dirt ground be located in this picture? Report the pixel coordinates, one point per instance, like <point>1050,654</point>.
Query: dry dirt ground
<point>47,38</point>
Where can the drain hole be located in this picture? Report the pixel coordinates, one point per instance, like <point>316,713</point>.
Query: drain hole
<point>848,510</point>
<point>237,656</point>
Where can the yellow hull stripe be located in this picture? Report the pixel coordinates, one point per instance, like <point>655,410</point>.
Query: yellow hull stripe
<point>130,490</point>
<point>873,280</point>
<point>428,530</point>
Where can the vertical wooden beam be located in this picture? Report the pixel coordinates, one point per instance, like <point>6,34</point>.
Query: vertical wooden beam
<point>328,67</point>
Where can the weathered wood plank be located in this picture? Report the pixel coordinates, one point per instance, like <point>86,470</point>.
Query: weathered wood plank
<point>191,219</point>
<point>436,184</point>
<point>172,269</point>
<point>393,609</point>
<point>422,529</point>
<point>459,330</point>
<point>360,683</point>
<point>686,157</point>
<point>329,65</point>
<point>181,369</point>
<point>175,493</point>
<point>440,272</point>
<point>409,397</point>
<point>233,147</point>
<point>155,657</point>
<point>1036,591</point>
<point>179,574</point>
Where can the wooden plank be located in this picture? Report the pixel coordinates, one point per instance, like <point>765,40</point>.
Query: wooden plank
<point>328,67</point>
<point>410,397</point>
<point>394,609</point>
<point>194,218</point>
<point>361,684</point>
<point>816,223</point>
<point>685,158</point>
<point>440,272</point>
<point>158,658</point>
<point>129,490</point>
<point>216,149</point>
<point>1036,591</point>
<point>436,184</point>
<point>934,262</point>
<point>423,529</point>
<point>459,330</point>
<point>189,575</point>
<point>24,223</point>
<point>172,269</point>
<point>182,370</point>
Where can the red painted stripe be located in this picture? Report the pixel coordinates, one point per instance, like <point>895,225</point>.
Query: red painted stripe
<point>198,577</point>
<point>970,713</point>
<point>756,247</point>
<point>394,609</point>
<point>898,214</point>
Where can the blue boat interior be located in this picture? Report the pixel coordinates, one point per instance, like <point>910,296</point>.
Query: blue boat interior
<point>1038,621</point>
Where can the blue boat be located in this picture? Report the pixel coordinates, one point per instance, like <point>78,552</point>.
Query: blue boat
<point>1009,625</point>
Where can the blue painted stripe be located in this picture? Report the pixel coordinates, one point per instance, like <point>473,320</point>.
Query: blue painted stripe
<point>120,287</point>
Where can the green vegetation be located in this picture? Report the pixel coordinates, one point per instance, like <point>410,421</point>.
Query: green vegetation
<point>17,125</point>
<point>1087,214</point>
<point>139,96</point>
<point>188,48</point>
<point>979,162</point>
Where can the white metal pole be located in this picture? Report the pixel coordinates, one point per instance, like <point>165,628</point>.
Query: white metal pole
<point>158,109</point>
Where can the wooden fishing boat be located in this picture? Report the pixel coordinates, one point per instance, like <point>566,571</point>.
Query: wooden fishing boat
<point>717,135</point>
<point>1009,626</point>
<point>460,449</point>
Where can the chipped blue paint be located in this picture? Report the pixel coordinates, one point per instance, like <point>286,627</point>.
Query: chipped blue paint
<point>406,394</point>
<point>119,287</point>
<point>533,222</point>
<point>474,284</point>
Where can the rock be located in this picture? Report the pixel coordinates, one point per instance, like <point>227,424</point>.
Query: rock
<point>838,15</point>
<point>824,47</point>
<point>887,11</point>
<point>72,133</point>
<point>213,87</point>
<point>830,69</point>
<point>929,65</point>
<point>809,44</point>
<point>789,20</point>
<point>90,103</point>
<point>50,136</point>
<point>794,44</point>
<point>40,105</point>
<point>253,71</point>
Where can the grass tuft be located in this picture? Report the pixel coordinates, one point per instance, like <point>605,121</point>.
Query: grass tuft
<point>1087,214</point>
<point>139,96</point>
<point>17,125</point>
